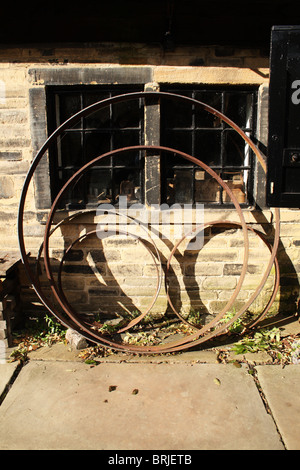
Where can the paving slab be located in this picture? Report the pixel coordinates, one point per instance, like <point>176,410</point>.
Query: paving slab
<point>142,406</point>
<point>55,352</point>
<point>63,352</point>
<point>281,387</point>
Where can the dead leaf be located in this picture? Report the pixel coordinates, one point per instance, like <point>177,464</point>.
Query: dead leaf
<point>237,364</point>
<point>217,381</point>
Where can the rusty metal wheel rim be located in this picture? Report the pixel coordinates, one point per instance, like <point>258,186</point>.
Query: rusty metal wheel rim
<point>86,168</point>
<point>71,121</point>
<point>229,224</point>
<point>154,297</point>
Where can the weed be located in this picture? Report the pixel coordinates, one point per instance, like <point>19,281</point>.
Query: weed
<point>36,333</point>
<point>109,329</point>
<point>262,340</point>
<point>20,354</point>
<point>54,327</point>
<point>237,326</point>
<point>194,318</point>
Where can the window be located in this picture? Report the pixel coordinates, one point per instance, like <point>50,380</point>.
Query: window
<point>183,126</point>
<point>116,126</point>
<point>203,135</point>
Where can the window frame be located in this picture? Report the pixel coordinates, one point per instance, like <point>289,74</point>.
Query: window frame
<point>133,75</point>
<point>42,77</point>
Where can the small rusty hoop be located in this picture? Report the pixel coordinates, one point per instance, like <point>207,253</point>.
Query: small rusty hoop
<point>85,168</point>
<point>154,297</point>
<point>227,224</point>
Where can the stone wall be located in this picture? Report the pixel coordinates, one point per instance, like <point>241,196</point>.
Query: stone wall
<point>115,273</point>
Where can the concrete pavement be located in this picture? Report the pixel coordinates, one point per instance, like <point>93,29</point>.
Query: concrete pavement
<point>181,402</point>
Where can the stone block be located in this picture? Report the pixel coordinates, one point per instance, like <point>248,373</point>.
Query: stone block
<point>76,297</point>
<point>217,306</point>
<point>106,255</point>
<point>217,75</point>
<point>72,255</point>
<point>79,269</point>
<point>139,281</point>
<point>13,116</point>
<point>207,269</point>
<point>104,290</point>
<point>220,283</point>
<point>3,333</point>
<point>139,252</point>
<point>11,156</point>
<point>7,189</point>
<point>236,269</point>
<point>75,339</point>
<point>60,75</point>
<point>126,270</point>
<point>214,255</point>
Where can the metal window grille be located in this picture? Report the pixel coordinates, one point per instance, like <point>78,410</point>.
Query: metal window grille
<point>115,126</point>
<point>206,137</point>
<point>182,127</point>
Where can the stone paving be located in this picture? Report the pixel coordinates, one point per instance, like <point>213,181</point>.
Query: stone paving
<point>181,402</point>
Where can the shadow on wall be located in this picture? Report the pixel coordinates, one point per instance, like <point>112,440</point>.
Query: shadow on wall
<point>105,280</point>
<point>289,288</point>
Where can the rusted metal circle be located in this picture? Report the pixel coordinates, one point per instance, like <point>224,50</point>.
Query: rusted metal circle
<point>227,224</point>
<point>78,175</point>
<point>137,319</point>
<point>158,264</point>
<point>194,338</point>
<point>72,322</point>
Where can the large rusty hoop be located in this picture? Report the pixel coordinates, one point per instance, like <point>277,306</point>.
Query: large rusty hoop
<point>192,340</point>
